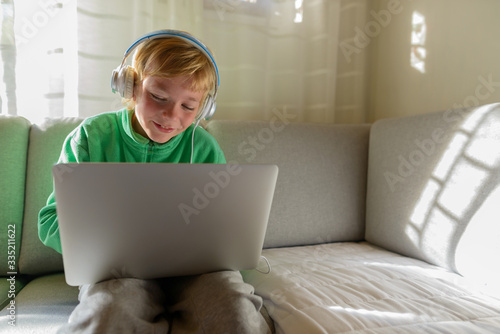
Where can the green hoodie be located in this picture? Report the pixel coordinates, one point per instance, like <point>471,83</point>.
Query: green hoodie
<point>109,137</point>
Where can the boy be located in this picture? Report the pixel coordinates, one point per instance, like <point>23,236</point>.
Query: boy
<point>172,79</point>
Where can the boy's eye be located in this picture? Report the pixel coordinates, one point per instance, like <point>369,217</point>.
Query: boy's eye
<point>157,98</point>
<point>187,108</point>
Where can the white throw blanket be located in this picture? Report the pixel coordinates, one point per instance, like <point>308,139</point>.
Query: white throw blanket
<point>360,288</point>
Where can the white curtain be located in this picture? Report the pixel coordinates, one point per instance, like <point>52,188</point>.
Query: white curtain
<point>273,55</point>
<point>8,50</point>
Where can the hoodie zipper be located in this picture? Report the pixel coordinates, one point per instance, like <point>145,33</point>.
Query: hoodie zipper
<point>149,152</point>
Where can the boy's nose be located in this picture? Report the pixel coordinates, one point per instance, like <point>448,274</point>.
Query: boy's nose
<point>169,111</point>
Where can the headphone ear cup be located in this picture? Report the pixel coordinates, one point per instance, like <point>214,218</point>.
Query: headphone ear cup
<point>128,82</point>
<point>122,81</point>
<point>208,108</point>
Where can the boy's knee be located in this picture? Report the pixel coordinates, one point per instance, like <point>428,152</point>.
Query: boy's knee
<point>127,303</point>
<point>231,280</point>
<point>123,293</point>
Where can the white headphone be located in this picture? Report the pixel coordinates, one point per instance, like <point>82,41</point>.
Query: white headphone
<point>122,78</point>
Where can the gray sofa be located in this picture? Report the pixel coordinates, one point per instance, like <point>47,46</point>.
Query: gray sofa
<point>391,227</point>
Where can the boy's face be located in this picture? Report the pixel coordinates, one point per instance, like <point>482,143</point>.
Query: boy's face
<point>164,107</point>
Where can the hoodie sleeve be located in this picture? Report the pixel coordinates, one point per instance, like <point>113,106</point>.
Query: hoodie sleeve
<point>75,149</point>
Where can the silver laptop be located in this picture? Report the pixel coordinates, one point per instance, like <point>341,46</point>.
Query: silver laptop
<point>160,220</point>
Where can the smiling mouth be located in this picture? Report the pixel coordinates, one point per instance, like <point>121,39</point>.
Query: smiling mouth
<point>164,128</point>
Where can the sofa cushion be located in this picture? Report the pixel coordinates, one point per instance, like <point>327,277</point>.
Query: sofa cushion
<point>43,306</point>
<point>320,193</point>
<point>434,189</point>
<point>360,288</point>
<point>45,146</point>
<point>10,287</point>
<point>13,151</point>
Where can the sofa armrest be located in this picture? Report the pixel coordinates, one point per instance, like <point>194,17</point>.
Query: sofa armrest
<point>14,133</point>
<point>434,189</point>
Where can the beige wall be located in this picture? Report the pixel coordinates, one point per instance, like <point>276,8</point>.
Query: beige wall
<point>462,62</point>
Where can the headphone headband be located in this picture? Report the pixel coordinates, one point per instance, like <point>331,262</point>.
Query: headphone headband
<point>165,33</point>
<point>122,78</point>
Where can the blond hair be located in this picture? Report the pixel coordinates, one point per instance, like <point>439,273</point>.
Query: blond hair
<point>172,57</point>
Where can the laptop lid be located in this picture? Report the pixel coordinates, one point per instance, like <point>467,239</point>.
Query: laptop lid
<point>159,220</point>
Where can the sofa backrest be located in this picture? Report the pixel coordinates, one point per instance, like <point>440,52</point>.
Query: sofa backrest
<point>320,194</point>
<point>321,188</point>
<point>45,144</point>
<point>432,192</point>
<point>434,188</point>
